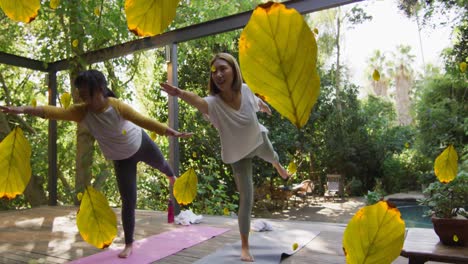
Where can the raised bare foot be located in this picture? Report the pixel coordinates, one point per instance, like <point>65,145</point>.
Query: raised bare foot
<point>283,172</point>
<point>246,257</point>
<point>127,251</point>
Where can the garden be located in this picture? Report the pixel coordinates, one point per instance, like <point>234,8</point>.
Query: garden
<point>381,144</point>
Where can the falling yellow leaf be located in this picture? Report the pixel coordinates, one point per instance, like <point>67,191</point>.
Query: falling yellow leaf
<point>292,168</point>
<point>124,132</point>
<point>316,31</point>
<point>75,43</point>
<point>226,211</point>
<point>213,68</point>
<point>185,188</point>
<point>15,164</point>
<point>54,4</point>
<point>95,219</point>
<point>375,234</point>
<point>21,10</point>
<point>455,238</point>
<point>97,11</point>
<point>65,100</point>
<point>149,17</point>
<point>462,67</point>
<point>194,154</point>
<point>376,75</point>
<point>295,246</point>
<point>278,58</point>
<point>33,102</point>
<point>153,135</point>
<point>407,145</point>
<point>446,165</point>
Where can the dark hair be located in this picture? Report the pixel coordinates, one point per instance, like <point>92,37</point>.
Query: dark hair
<point>93,80</point>
<point>237,78</point>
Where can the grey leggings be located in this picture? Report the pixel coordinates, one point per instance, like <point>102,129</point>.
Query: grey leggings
<point>125,171</point>
<point>243,177</point>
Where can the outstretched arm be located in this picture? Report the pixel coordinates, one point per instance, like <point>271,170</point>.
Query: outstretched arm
<point>34,111</point>
<point>189,97</point>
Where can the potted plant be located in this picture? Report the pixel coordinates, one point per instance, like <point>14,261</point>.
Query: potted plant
<point>448,203</point>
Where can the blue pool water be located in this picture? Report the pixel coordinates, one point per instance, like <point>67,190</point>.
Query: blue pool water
<point>413,216</point>
<point>412,213</point>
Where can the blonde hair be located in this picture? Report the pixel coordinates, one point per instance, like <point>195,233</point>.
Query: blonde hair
<point>237,78</point>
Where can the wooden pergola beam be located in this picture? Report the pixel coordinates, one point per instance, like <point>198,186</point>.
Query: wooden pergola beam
<point>209,28</point>
<point>18,61</point>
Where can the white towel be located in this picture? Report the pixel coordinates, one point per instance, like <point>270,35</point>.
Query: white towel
<point>261,225</point>
<point>187,217</point>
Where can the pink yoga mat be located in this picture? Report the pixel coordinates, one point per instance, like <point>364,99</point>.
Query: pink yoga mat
<point>156,247</point>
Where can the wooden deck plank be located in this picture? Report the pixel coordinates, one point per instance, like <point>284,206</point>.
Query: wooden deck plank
<point>49,235</point>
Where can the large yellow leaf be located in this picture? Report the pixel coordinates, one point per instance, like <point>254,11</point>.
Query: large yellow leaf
<point>446,165</point>
<point>375,234</point>
<point>21,10</point>
<point>185,187</point>
<point>15,164</point>
<point>149,17</point>
<point>96,221</point>
<point>278,57</point>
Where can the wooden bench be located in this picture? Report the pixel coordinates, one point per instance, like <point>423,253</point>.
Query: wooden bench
<point>422,244</point>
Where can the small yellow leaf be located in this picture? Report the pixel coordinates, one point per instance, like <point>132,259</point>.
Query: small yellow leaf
<point>455,238</point>
<point>407,145</point>
<point>54,4</point>
<point>316,31</point>
<point>124,132</point>
<point>65,100</point>
<point>226,211</point>
<point>213,68</point>
<point>149,17</point>
<point>462,67</point>
<point>185,188</point>
<point>21,10</point>
<point>15,164</point>
<point>33,102</point>
<point>292,168</point>
<point>97,11</point>
<point>295,246</point>
<point>194,154</point>
<point>446,165</point>
<point>376,75</point>
<point>95,219</point>
<point>153,135</point>
<point>79,196</point>
<point>75,43</point>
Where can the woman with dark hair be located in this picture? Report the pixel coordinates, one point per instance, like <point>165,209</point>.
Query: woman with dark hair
<point>231,107</point>
<point>117,127</point>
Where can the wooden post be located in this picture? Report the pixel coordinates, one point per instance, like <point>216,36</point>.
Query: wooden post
<point>52,145</point>
<point>174,157</point>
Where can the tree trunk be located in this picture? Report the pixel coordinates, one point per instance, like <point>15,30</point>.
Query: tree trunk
<point>84,140</point>
<point>402,97</point>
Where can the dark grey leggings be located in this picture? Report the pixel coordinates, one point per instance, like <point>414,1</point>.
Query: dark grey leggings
<point>242,170</point>
<point>125,171</point>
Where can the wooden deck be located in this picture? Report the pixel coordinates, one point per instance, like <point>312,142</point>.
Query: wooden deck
<point>49,235</point>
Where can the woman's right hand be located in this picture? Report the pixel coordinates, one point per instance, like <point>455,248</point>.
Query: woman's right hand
<point>12,109</point>
<point>170,89</point>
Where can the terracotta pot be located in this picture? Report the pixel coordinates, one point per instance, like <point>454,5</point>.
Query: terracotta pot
<point>451,232</point>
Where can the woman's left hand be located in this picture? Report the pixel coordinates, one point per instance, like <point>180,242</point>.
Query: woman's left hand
<point>264,107</point>
<point>175,133</point>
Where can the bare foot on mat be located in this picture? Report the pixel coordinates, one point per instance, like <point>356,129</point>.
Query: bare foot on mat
<point>246,257</point>
<point>127,251</point>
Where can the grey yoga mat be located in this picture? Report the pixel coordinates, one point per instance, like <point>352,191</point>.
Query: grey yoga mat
<point>266,247</point>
